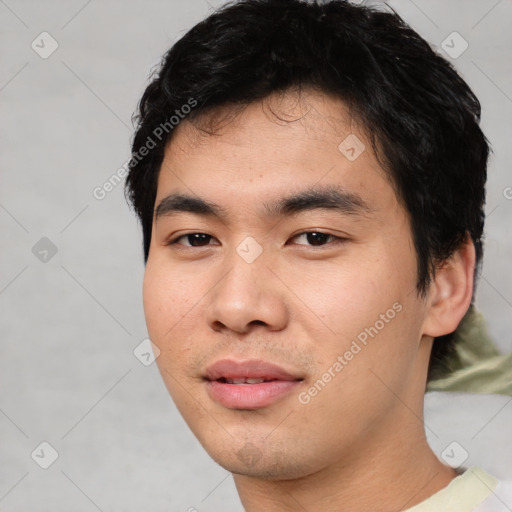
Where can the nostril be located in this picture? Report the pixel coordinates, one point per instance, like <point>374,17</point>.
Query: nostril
<point>257,322</point>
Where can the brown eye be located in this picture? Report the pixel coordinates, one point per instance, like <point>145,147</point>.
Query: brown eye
<point>316,238</point>
<point>193,240</point>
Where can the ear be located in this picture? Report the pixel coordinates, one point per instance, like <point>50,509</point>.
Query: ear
<point>451,291</point>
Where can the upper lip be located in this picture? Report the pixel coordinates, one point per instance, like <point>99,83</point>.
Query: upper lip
<point>249,369</point>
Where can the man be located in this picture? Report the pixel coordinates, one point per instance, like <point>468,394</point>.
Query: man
<point>310,182</point>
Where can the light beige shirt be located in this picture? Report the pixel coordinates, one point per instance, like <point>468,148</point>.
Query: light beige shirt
<point>473,491</point>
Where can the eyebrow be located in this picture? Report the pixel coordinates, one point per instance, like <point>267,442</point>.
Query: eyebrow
<point>325,198</point>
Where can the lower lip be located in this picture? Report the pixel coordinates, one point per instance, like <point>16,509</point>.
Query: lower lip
<point>249,396</point>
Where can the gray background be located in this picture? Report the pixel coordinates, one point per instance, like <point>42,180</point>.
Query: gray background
<point>70,324</point>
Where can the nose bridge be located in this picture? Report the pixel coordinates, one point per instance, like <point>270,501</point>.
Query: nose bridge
<point>246,293</point>
<point>248,263</point>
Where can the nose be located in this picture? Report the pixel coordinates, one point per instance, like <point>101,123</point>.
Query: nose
<point>248,295</point>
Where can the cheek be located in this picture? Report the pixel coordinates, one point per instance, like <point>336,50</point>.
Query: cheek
<point>155,293</point>
<point>366,307</point>
<point>343,297</point>
<point>169,306</point>
<point>168,310</point>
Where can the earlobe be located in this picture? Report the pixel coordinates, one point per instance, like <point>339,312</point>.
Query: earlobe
<point>451,292</point>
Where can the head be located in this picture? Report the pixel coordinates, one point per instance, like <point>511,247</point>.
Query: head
<point>272,119</point>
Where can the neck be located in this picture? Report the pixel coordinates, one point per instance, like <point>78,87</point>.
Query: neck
<point>391,473</point>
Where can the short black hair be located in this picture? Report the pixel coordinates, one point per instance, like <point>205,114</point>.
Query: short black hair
<point>421,117</point>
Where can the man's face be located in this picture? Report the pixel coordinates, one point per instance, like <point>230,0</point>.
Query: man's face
<point>337,311</point>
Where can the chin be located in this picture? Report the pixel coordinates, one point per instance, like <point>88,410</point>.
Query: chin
<point>267,463</point>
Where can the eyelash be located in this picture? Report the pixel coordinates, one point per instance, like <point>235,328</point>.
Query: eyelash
<point>337,239</point>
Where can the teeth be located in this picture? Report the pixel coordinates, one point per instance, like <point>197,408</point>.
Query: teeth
<point>244,381</point>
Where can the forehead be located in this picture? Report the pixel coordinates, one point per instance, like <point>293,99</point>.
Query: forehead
<point>284,143</point>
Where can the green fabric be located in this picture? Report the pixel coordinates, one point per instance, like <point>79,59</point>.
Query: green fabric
<point>476,366</point>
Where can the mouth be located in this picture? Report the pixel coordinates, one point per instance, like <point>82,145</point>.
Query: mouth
<point>224,380</point>
<point>250,384</point>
